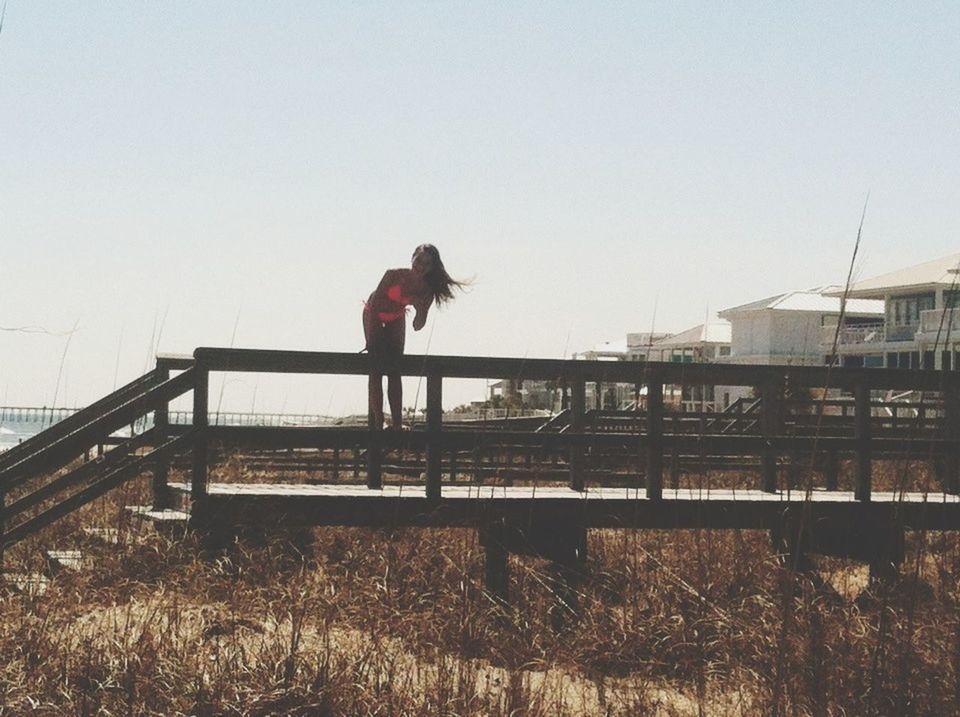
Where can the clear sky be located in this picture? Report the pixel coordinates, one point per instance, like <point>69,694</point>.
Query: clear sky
<point>244,171</point>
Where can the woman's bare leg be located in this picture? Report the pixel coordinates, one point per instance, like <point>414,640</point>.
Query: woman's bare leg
<point>395,334</point>
<point>384,341</point>
<point>373,334</point>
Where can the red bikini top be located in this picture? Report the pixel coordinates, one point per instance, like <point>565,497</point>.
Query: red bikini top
<point>395,293</point>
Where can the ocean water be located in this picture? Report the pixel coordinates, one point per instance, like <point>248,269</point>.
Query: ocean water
<point>19,424</point>
<point>14,430</point>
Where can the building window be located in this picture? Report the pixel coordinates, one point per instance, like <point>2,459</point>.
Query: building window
<point>906,309</point>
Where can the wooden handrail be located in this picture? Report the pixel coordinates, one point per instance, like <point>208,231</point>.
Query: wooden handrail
<point>774,433</point>
<point>58,430</point>
<point>93,491</point>
<point>77,476</point>
<point>58,452</point>
<point>273,361</point>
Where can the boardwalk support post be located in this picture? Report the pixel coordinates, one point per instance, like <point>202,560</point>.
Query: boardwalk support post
<point>374,458</point>
<point>577,415</point>
<point>831,469</point>
<point>861,395</point>
<point>567,556</point>
<point>496,567</point>
<point>434,437</point>
<point>654,476</point>
<point>198,483</point>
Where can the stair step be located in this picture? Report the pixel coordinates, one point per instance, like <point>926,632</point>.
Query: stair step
<point>110,536</point>
<point>29,584</point>
<point>167,515</point>
<point>170,522</point>
<point>60,560</point>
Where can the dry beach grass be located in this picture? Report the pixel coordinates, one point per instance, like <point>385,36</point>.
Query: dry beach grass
<point>376,622</point>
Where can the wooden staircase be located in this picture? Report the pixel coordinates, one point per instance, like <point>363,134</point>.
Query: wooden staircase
<point>52,474</point>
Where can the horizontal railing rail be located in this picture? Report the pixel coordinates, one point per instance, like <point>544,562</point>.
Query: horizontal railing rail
<point>273,361</point>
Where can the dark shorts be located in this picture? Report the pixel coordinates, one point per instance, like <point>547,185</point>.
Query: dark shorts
<point>383,339</point>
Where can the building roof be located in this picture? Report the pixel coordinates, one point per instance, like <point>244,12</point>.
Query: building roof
<point>939,272</point>
<point>642,339</point>
<point>715,331</point>
<point>819,299</point>
<point>604,350</point>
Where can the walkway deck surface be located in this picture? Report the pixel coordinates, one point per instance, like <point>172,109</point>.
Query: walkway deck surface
<point>463,505</point>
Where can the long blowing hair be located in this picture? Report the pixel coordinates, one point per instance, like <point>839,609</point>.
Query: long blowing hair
<point>440,283</point>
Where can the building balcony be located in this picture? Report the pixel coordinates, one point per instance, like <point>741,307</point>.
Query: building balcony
<point>946,322</point>
<point>854,335</point>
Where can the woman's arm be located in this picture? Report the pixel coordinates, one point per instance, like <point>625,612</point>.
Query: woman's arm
<point>423,307</point>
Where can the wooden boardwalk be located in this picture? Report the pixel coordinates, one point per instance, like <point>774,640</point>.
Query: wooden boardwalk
<point>785,427</point>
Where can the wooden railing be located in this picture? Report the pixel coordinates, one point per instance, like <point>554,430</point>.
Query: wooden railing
<point>782,421</point>
<point>28,471</point>
<point>773,436</point>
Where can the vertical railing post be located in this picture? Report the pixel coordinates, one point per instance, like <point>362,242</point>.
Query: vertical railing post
<point>374,434</point>
<point>198,484</point>
<point>654,476</point>
<point>162,498</point>
<point>770,389</point>
<point>578,399</point>
<point>832,469</point>
<point>861,396</point>
<point>434,435</point>
<point>951,425</point>
<point>374,456</point>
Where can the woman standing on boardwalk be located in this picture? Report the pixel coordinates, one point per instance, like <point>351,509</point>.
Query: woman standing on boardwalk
<point>426,282</point>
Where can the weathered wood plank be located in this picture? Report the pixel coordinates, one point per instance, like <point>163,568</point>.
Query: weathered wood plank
<point>600,507</point>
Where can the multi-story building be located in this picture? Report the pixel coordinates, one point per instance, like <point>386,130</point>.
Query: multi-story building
<point>788,329</point>
<point>920,323</point>
<point>704,343</point>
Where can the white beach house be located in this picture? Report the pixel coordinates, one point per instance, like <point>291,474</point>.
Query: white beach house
<point>920,323</point>
<point>788,329</point>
